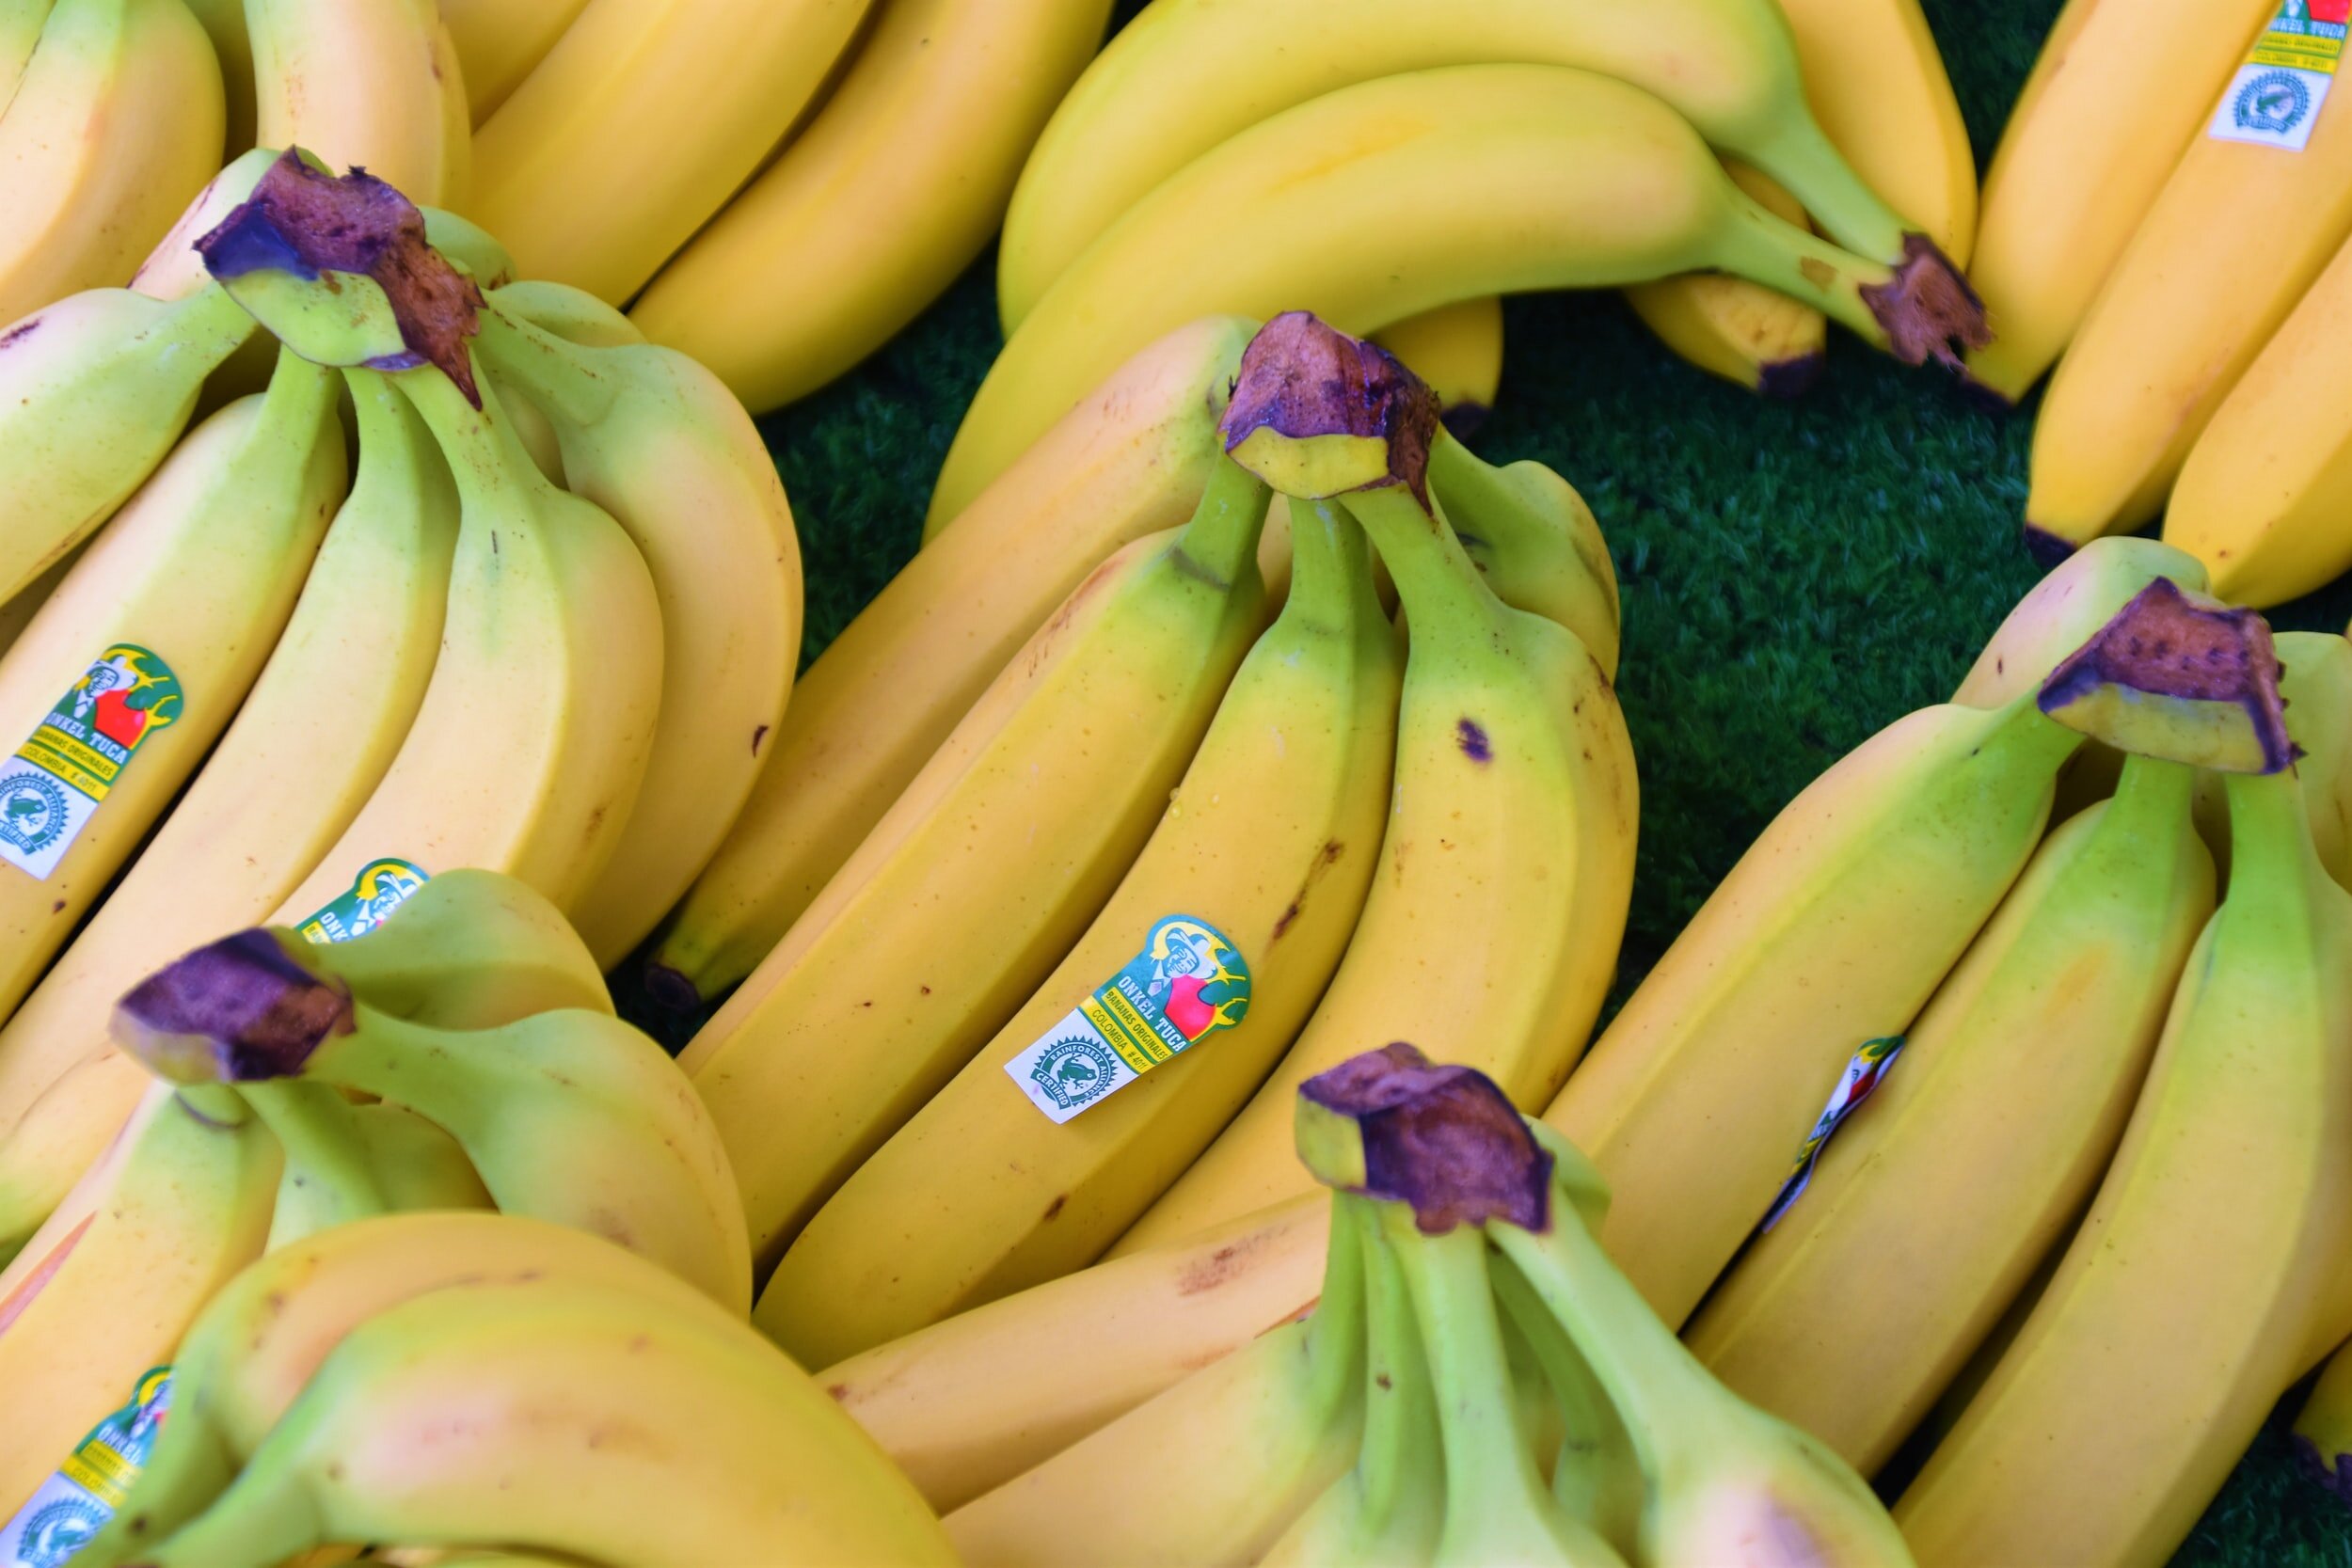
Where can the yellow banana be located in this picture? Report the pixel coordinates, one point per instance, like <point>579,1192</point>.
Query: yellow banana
<point>880,203</point>
<point>20,35</point>
<point>654,438</point>
<point>499,42</point>
<point>309,743</point>
<point>2183,313</point>
<point>223,22</point>
<point>1189,75</point>
<point>2114,99</point>
<point>1260,862</point>
<point>1457,348</point>
<point>987,868</point>
<point>641,122</point>
<point>1128,462</point>
<point>2323,1436</point>
<point>1520,177</point>
<point>114,125</point>
<point>402,1161</point>
<point>1728,326</point>
<point>2222,1218</point>
<point>2002,1113</point>
<point>372,82</point>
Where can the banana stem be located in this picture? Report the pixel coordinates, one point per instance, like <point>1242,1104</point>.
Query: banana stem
<point>1335,1335</point>
<point>1331,584</point>
<point>492,468</point>
<point>1441,585</point>
<point>211,321</point>
<point>295,406</point>
<point>1795,151</point>
<point>1395,1458</point>
<point>1220,540</point>
<point>1595,1477</point>
<point>215,1104</point>
<point>2270,834</point>
<point>2152,798</point>
<point>1767,248</point>
<point>561,377</point>
<point>1474,486</point>
<point>311,1123</point>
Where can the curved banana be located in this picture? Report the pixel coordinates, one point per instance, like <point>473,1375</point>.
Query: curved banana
<point>114,125</point>
<point>499,42</point>
<point>402,1161</point>
<point>2221,1219</point>
<point>1189,75</point>
<point>1728,326</point>
<point>1520,176</point>
<point>2183,314</point>
<point>655,439</point>
<point>641,123</point>
<point>534,731</point>
<point>572,314</point>
<point>1128,462</point>
<point>173,270</point>
<point>2002,1110</point>
<point>987,868</point>
<point>732,1454</point>
<point>372,82</point>
<point>2114,99</point>
<point>1534,541</point>
<point>880,203</point>
<point>1457,348</point>
<point>94,391</point>
<point>310,741</point>
<point>1266,843</point>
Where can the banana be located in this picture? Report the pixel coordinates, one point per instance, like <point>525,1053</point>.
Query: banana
<point>1728,326</point>
<point>1457,348</point>
<point>309,743</point>
<point>1189,75</point>
<point>990,865</point>
<point>570,1116</point>
<point>1534,541</point>
<point>641,122</point>
<point>1831,932</point>
<point>2323,1436</point>
<point>1128,462</point>
<point>94,391</point>
<point>2261,505</point>
<point>2315,686</point>
<point>223,21</point>
<point>1521,177</point>
<point>731,1454</point>
<point>114,125</point>
<point>102,1296</point>
<point>499,42</point>
<point>346,1163</point>
<point>174,270</point>
<point>2002,1113</point>
<point>880,203</point>
<point>372,83</point>
<point>2114,99</point>
<point>2183,314</point>
<point>2220,1221</point>
<point>572,314</point>
<point>18,613</point>
<point>1508,850</point>
<point>147,646</point>
<point>1093,1345</point>
<point>1231,1454</point>
<point>1264,851</point>
<point>21,23</point>
<point>655,439</point>
<point>2074,600</point>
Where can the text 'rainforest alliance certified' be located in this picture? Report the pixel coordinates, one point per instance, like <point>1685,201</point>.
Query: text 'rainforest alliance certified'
<point>1188,983</point>
<point>54,785</point>
<point>2276,96</point>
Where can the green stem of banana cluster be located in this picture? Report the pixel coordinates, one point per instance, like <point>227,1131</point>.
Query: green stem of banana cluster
<point>2271,853</point>
<point>1336,1334</point>
<point>1796,152</point>
<point>492,469</point>
<point>1222,538</point>
<point>561,377</point>
<point>1768,249</point>
<point>1439,584</point>
<point>2151,798</point>
<point>1595,1476</point>
<point>212,322</point>
<point>1397,1455</point>
<point>2019,726</point>
<point>312,1124</point>
<point>297,400</point>
<point>1331,583</point>
<point>1466,484</point>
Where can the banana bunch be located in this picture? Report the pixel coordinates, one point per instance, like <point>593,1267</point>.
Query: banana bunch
<point>546,631</point>
<point>1477,1383</point>
<point>611,1413</point>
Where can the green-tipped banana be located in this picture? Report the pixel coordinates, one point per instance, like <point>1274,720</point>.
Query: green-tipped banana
<point>347,1161</point>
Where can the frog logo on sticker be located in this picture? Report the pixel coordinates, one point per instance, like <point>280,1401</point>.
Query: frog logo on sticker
<point>32,811</point>
<point>1073,1071</point>
<point>2272,104</point>
<point>59,1531</point>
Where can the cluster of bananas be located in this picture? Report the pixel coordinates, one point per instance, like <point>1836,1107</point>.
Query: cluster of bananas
<point>2171,210</point>
<point>1533,145</point>
<point>780,185</point>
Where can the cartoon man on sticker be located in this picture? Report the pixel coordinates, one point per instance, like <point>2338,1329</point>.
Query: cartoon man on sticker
<point>111,697</point>
<point>1186,961</point>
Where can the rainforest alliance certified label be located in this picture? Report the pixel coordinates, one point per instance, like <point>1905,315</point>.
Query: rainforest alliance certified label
<point>381,887</point>
<point>2275,98</point>
<point>1861,1079</point>
<point>1188,982</point>
<point>75,1503</point>
<point>54,785</point>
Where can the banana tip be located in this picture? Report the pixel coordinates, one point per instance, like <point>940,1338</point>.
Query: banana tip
<point>1785,379</point>
<point>1984,399</point>
<point>2328,1472</point>
<point>669,989</point>
<point>2048,549</point>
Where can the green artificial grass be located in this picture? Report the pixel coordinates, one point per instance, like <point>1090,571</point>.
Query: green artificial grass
<point>1795,577</point>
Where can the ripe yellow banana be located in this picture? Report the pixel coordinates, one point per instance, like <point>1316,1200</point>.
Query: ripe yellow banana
<point>1262,859</point>
<point>2221,1220</point>
<point>371,82</point>
<point>499,42</point>
<point>1831,932</point>
<point>641,122</point>
<point>2264,496</point>
<point>2061,612</point>
<point>655,439</point>
<point>105,1294</point>
<point>731,1454</point>
<point>114,125</point>
<point>223,22</point>
<point>140,658</point>
<point>880,203</point>
<point>2188,306</point>
<point>2114,99</point>
<point>1520,177</point>
<point>308,745</point>
<point>94,391</point>
<point>1189,75</point>
<point>987,868</point>
<point>1457,348</point>
<point>1128,462</point>
<point>1728,326</point>
<point>2002,1112</point>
